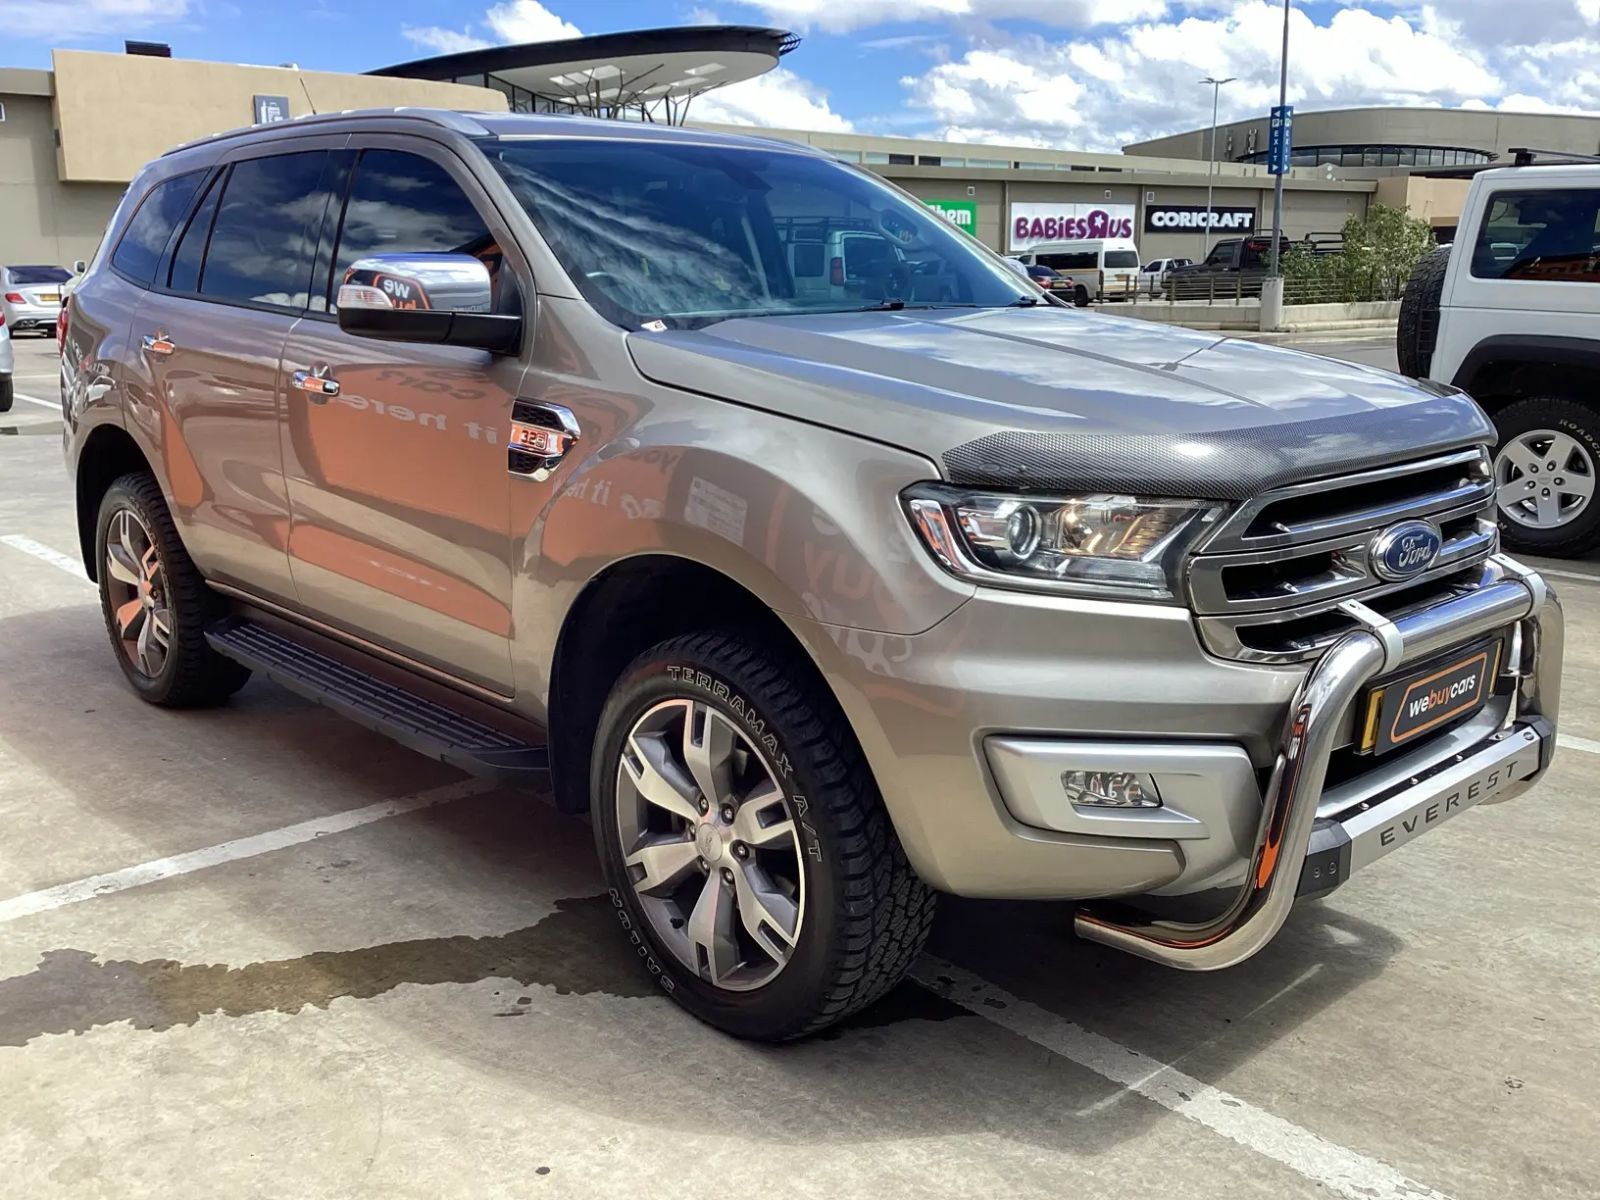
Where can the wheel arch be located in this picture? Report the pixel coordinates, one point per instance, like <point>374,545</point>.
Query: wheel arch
<point>1503,369</point>
<point>621,612</point>
<point>108,453</point>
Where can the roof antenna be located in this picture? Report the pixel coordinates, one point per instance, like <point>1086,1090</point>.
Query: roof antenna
<point>301,76</point>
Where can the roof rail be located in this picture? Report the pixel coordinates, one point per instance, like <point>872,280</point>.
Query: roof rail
<point>1524,156</point>
<point>460,122</point>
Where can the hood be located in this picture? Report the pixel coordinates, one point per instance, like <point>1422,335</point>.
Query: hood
<point>1055,398</point>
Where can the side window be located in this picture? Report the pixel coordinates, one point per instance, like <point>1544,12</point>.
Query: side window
<point>266,231</point>
<point>402,203</point>
<point>140,249</point>
<point>1221,254</point>
<point>1076,260</point>
<point>184,275</point>
<point>1552,236</point>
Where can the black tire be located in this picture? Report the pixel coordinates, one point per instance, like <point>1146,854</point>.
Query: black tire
<point>866,915</point>
<point>8,393</point>
<point>1419,314</point>
<point>1080,296</point>
<point>192,674</point>
<point>1582,423</point>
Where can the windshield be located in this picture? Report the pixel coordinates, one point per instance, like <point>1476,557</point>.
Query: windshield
<point>1122,258</point>
<point>25,275</point>
<point>689,234</point>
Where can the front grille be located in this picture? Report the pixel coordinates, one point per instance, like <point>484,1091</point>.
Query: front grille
<point>1266,586</point>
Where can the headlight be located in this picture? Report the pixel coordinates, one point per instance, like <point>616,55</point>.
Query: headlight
<point>1123,547</point>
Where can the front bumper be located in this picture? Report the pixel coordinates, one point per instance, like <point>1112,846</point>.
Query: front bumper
<point>1056,679</point>
<point>1299,852</point>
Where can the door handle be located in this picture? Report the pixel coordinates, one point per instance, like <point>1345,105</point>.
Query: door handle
<point>316,384</point>
<point>159,344</point>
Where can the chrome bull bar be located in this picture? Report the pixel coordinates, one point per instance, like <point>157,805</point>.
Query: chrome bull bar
<point>1316,716</point>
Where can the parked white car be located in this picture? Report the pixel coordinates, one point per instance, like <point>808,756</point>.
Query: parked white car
<point>1153,275</point>
<point>30,297</point>
<point>7,366</point>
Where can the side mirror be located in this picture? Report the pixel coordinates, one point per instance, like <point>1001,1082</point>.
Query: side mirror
<point>441,299</point>
<point>79,267</point>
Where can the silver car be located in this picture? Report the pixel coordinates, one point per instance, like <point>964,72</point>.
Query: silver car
<point>30,297</point>
<point>551,448</point>
<point>8,365</point>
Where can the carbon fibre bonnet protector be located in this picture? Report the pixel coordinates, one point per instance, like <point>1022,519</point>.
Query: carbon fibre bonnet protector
<point>1231,464</point>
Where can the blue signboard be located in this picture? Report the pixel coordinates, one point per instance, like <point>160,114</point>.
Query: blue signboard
<point>1280,139</point>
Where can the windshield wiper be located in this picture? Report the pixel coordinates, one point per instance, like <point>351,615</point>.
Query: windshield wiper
<point>1025,302</point>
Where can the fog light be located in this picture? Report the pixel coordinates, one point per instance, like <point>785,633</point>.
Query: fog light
<point>1111,789</point>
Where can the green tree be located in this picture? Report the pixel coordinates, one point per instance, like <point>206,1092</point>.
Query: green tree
<point>1380,251</point>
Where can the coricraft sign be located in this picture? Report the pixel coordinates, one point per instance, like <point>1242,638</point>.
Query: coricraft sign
<point>1033,223</point>
<point>963,214</point>
<point>1181,218</point>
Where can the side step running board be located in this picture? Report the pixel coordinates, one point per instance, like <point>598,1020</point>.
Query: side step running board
<point>415,721</point>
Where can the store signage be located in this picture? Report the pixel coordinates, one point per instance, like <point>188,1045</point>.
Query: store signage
<point>963,214</point>
<point>1033,222</point>
<point>271,108</point>
<point>1191,218</point>
<point>1280,139</point>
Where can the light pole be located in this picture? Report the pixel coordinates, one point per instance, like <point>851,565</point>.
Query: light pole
<point>1211,162</point>
<point>1277,187</point>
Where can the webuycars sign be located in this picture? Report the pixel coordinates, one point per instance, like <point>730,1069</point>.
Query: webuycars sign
<point>1033,222</point>
<point>963,214</point>
<point>1181,218</point>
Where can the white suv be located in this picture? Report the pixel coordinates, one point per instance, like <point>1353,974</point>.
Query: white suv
<point>1511,313</point>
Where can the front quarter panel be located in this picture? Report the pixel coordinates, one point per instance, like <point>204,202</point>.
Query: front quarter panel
<point>805,518</point>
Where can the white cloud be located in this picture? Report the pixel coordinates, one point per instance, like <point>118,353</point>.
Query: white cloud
<point>528,21</point>
<point>779,99</point>
<point>842,16</point>
<point>64,19</point>
<point>1142,80</point>
<point>440,40</point>
<point>504,24</point>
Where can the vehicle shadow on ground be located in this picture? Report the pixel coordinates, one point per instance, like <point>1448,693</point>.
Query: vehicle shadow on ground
<point>917,1064</point>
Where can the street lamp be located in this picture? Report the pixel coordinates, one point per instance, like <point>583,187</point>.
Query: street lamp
<point>1211,163</point>
<point>1277,187</point>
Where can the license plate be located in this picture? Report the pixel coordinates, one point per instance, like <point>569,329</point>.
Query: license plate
<point>1404,709</point>
<point>48,297</point>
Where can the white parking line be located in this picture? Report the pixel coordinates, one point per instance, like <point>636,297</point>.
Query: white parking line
<point>1343,1172</point>
<point>50,404</point>
<point>39,550</point>
<point>1579,575</point>
<point>246,847</point>
<point>1571,741</point>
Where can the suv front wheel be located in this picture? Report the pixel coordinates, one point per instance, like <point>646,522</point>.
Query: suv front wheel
<point>1545,474</point>
<point>746,848</point>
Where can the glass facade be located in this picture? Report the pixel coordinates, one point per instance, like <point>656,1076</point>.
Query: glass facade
<point>1379,156</point>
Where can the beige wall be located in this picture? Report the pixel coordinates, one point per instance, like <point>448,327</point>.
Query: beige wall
<point>1437,201</point>
<point>43,220</point>
<point>116,112</point>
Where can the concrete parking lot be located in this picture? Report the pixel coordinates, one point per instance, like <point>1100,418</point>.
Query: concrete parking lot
<point>261,952</point>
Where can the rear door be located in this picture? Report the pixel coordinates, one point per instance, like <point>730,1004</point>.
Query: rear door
<point>397,477</point>
<point>205,342</point>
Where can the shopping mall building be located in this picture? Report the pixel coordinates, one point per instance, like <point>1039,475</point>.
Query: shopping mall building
<point>71,138</point>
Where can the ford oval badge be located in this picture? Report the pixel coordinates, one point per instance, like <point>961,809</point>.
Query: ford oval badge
<point>1406,550</point>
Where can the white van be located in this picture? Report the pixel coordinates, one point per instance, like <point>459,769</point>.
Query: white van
<point>1104,268</point>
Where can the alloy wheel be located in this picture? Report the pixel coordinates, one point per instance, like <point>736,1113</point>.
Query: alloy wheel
<point>710,844</point>
<point>1543,479</point>
<point>136,591</point>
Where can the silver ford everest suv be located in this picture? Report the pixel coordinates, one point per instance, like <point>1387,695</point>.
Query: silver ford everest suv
<point>560,451</point>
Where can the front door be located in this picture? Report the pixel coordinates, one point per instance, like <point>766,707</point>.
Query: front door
<point>395,453</point>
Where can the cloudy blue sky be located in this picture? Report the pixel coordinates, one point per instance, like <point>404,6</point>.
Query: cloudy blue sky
<point>1090,74</point>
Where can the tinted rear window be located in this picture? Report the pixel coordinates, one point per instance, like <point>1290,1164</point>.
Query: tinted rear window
<point>1078,260</point>
<point>1551,235</point>
<point>266,231</point>
<point>1122,258</point>
<point>22,276</point>
<point>147,234</point>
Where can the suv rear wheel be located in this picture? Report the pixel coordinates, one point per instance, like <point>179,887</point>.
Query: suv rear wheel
<point>1545,474</point>
<point>156,605</point>
<point>746,848</point>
